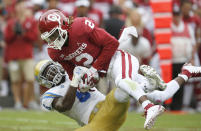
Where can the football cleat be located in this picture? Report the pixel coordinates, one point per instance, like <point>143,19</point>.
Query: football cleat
<point>191,71</point>
<point>151,114</point>
<point>151,74</point>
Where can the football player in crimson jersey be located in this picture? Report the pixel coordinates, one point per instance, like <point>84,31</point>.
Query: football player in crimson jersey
<point>78,42</point>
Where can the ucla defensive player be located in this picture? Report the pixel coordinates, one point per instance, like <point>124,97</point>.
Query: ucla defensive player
<point>91,108</point>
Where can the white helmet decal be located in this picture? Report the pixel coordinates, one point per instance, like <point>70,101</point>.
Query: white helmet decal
<point>54,17</point>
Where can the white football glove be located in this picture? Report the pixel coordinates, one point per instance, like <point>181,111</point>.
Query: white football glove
<point>89,79</point>
<point>78,73</point>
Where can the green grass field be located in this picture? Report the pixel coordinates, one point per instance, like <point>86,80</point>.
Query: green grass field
<point>52,121</point>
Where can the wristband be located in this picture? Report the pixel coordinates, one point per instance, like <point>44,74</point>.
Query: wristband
<point>185,77</point>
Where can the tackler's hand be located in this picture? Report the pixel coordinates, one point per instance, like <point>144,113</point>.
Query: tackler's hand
<point>89,79</point>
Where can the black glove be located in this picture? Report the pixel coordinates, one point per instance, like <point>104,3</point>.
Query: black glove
<point>18,28</point>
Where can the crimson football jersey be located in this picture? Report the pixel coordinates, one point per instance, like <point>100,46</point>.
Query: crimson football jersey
<point>87,45</point>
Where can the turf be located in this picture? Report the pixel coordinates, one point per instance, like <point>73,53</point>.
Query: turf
<point>52,121</point>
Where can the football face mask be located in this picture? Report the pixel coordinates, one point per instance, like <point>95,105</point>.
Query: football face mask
<point>55,38</point>
<point>53,75</point>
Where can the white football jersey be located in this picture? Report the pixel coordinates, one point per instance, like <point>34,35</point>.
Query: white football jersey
<point>83,105</point>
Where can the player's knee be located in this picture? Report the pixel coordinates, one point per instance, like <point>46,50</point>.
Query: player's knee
<point>126,82</point>
<point>121,96</point>
<point>131,87</point>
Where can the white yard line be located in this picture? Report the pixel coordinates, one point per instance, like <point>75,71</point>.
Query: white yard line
<point>26,128</point>
<point>182,129</point>
<point>38,121</point>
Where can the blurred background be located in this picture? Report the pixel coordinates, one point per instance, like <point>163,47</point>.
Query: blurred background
<point>169,36</point>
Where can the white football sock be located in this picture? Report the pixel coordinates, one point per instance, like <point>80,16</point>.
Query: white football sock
<point>172,88</point>
<point>161,96</point>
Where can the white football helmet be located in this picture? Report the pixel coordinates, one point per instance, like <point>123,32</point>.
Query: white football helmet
<point>49,73</point>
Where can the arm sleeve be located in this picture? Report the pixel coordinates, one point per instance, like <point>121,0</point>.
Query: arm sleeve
<point>108,44</point>
<point>47,99</point>
<point>51,94</point>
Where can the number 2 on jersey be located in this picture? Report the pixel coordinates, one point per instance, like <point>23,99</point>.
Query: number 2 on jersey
<point>88,57</point>
<point>89,23</point>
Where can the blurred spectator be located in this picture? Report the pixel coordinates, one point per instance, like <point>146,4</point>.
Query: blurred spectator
<point>95,13</point>
<point>82,8</point>
<point>67,6</point>
<point>3,70</point>
<point>54,4</point>
<point>85,9</point>
<point>103,6</point>
<point>142,9</point>
<point>134,19</point>
<point>193,20</point>
<point>183,42</point>
<point>145,10</point>
<point>114,24</point>
<point>189,17</point>
<point>196,4</point>
<point>20,32</point>
<point>37,6</point>
<point>9,6</point>
<point>2,44</point>
<point>4,89</point>
<point>40,6</point>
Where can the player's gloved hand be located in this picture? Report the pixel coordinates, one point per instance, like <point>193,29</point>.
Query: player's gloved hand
<point>89,79</point>
<point>78,73</point>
